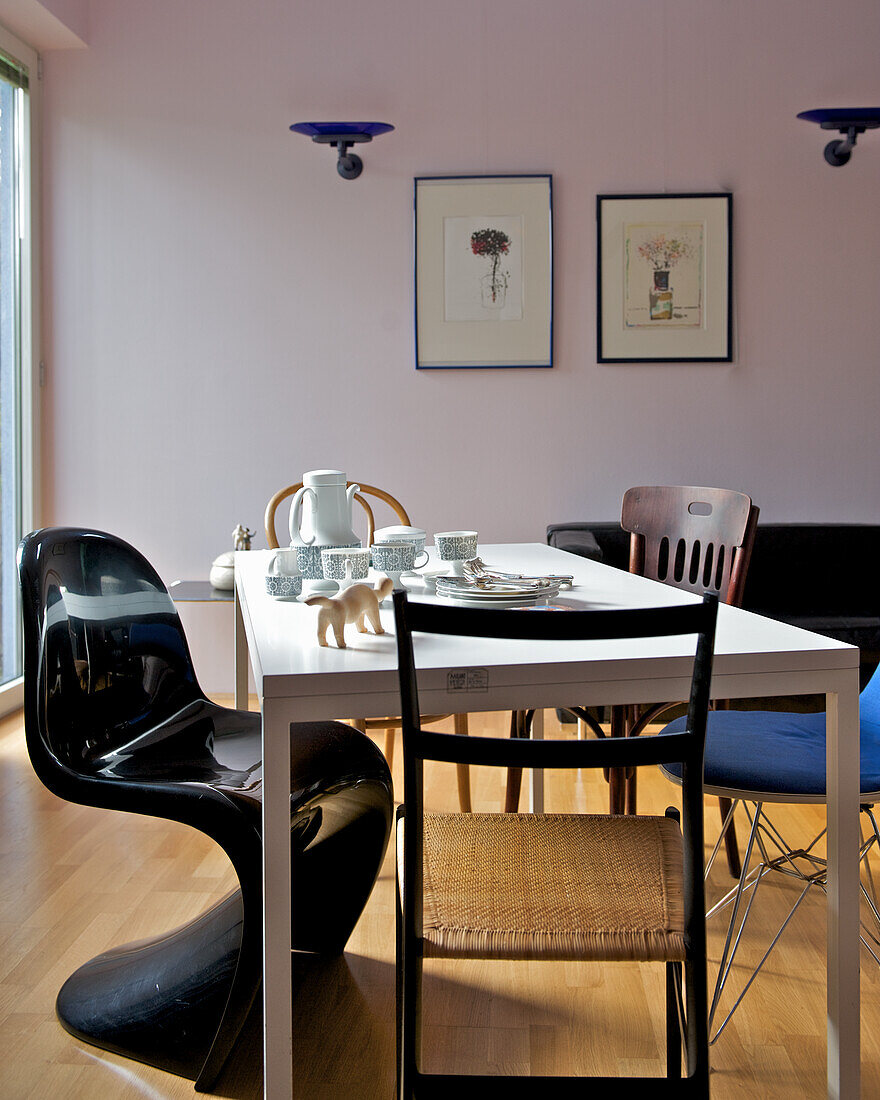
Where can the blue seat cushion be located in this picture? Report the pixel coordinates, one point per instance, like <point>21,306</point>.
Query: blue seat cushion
<point>779,752</point>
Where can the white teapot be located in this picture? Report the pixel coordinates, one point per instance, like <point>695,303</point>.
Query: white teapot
<point>329,510</point>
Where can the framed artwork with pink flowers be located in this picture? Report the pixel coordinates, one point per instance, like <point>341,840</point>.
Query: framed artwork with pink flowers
<point>483,271</point>
<point>664,278</point>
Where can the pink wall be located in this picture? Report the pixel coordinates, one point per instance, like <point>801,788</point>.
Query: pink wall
<point>223,312</point>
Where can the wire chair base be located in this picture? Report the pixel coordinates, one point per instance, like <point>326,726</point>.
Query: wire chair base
<point>800,864</point>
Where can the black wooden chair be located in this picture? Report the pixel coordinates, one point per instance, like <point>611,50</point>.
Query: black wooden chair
<point>115,718</point>
<point>554,886</point>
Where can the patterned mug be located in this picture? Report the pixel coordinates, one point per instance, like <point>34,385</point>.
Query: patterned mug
<point>283,578</point>
<point>308,559</point>
<point>397,557</point>
<point>345,564</point>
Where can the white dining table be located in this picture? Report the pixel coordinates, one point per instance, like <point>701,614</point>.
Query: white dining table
<point>296,680</point>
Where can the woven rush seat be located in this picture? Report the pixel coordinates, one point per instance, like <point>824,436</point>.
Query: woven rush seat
<point>553,886</point>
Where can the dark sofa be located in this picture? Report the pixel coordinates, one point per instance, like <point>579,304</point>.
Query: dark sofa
<point>824,577</point>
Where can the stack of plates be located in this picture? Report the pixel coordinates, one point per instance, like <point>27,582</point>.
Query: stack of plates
<point>497,594</point>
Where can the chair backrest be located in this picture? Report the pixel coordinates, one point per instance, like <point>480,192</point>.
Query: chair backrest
<point>430,744</point>
<point>360,497</point>
<point>691,537</point>
<point>105,656</point>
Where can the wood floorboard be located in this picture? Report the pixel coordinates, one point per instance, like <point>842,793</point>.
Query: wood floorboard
<point>78,880</point>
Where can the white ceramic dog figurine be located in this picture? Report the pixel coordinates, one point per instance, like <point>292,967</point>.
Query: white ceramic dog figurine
<point>355,604</point>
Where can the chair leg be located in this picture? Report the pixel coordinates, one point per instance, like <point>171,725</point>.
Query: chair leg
<point>697,1022</point>
<point>730,845</point>
<point>389,745</point>
<point>462,770</point>
<point>632,792</point>
<point>243,992</point>
<point>673,1023</point>
<point>514,775</point>
<point>400,1077</point>
<point>617,776</point>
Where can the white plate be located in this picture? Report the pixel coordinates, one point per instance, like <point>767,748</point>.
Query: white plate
<point>490,600</point>
<point>494,595</point>
<point>476,601</point>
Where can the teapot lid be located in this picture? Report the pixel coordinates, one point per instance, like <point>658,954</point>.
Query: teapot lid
<point>324,477</point>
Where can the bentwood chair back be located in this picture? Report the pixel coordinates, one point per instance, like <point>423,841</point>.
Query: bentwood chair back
<point>691,537</point>
<point>115,718</point>
<point>553,886</point>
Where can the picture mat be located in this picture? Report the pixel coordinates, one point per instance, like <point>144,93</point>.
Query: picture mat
<point>523,342</point>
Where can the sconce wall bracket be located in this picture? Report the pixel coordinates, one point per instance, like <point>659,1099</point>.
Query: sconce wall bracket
<point>343,135</point>
<point>851,121</point>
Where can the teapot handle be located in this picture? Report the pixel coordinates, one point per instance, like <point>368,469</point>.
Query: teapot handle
<point>296,515</point>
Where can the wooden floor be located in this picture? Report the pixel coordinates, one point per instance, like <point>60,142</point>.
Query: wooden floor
<point>74,881</point>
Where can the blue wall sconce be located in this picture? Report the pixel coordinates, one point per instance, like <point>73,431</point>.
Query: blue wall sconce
<point>851,121</point>
<point>343,135</point>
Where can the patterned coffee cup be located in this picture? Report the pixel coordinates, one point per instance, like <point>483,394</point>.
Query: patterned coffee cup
<point>308,558</point>
<point>456,545</point>
<point>397,557</point>
<point>345,564</point>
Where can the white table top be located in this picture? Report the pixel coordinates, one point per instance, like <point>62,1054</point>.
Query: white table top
<point>289,663</point>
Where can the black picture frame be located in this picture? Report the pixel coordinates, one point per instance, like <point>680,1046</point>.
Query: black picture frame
<point>646,244</point>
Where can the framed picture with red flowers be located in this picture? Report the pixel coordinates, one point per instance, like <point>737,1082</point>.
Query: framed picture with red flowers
<point>483,271</point>
<point>664,279</point>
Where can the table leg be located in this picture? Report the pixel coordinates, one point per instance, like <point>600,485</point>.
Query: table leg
<point>842,764</point>
<point>277,960</point>
<point>536,775</point>
<point>240,659</point>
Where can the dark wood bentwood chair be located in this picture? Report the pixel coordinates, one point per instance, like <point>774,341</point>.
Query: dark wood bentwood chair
<point>699,539</point>
<point>115,718</point>
<point>554,886</point>
<point>389,724</point>
<point>691,537</point>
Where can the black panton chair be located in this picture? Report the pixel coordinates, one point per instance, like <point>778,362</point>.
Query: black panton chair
<point>591,887</point>
<point>115,718</point>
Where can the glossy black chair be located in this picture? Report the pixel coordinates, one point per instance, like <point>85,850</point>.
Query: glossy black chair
<point>115,718</point>
<point>589,887</point>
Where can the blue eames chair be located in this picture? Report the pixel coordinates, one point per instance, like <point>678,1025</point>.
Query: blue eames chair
<point>755,758</point>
